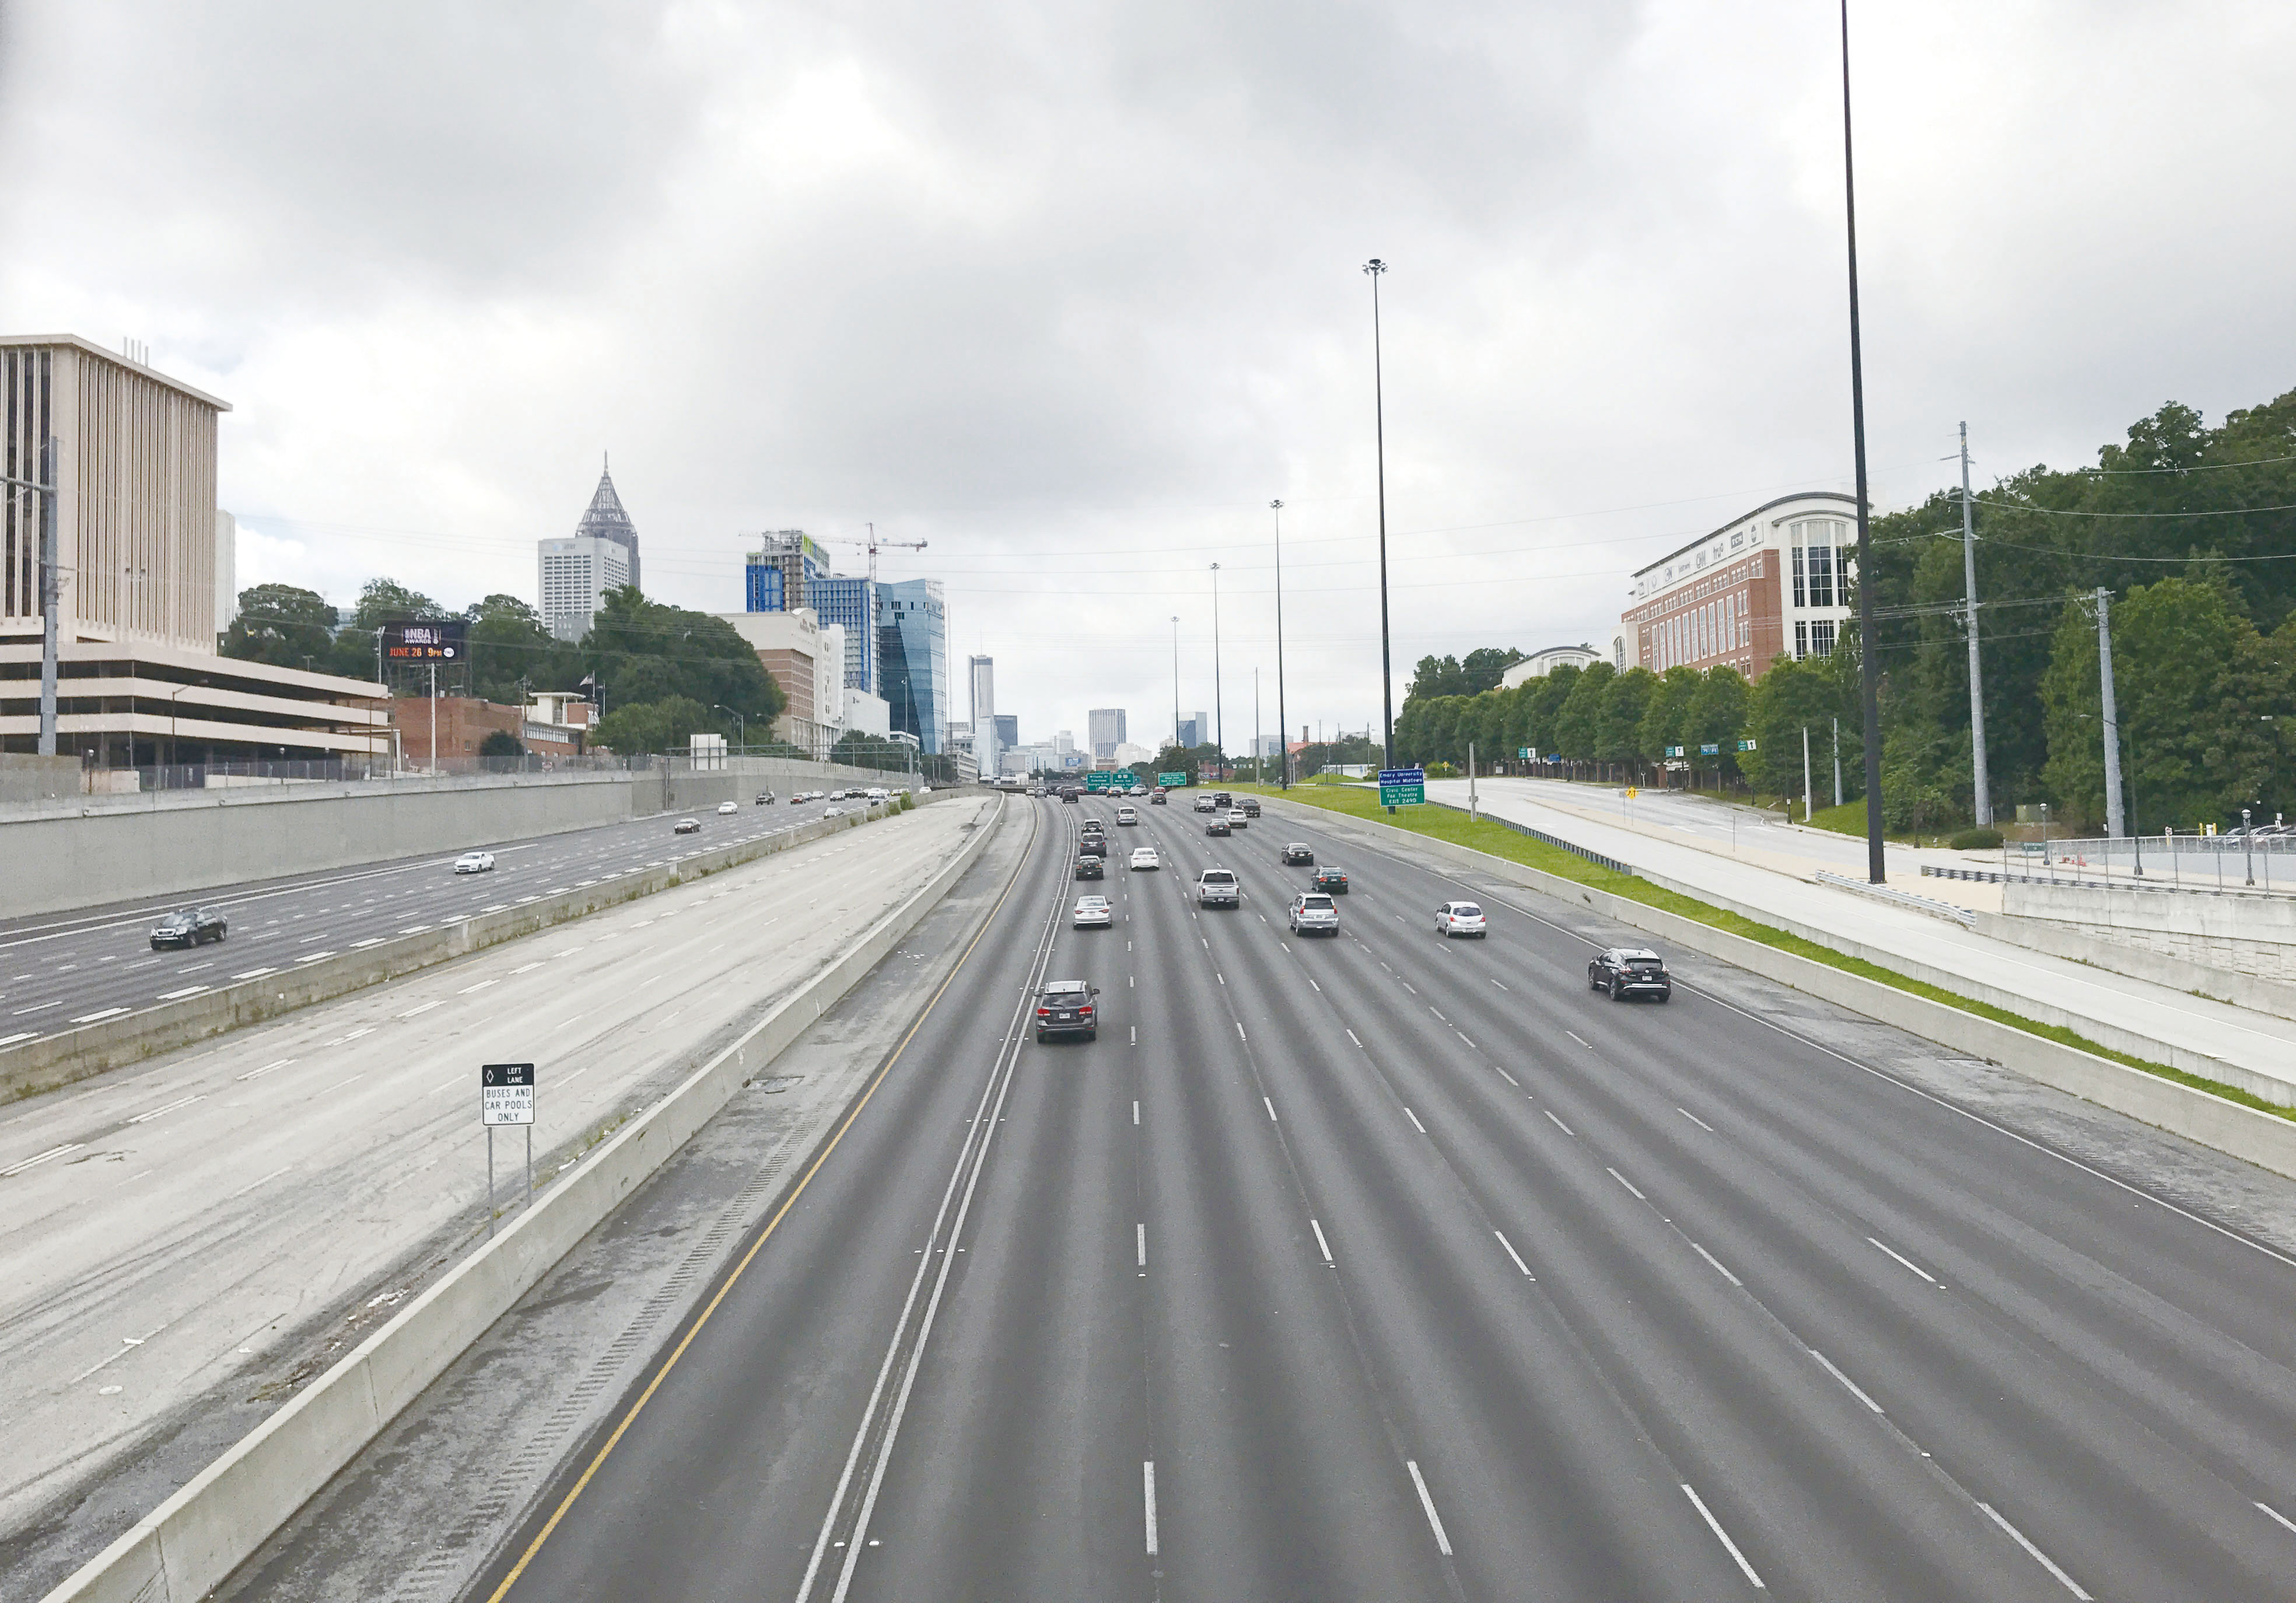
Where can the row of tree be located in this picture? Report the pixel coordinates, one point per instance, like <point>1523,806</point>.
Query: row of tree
<point>663,672</point>
<point>2190,531</point>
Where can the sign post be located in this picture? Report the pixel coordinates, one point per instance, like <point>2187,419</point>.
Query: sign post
<point>506,1096</point>
<point>1402,787</point>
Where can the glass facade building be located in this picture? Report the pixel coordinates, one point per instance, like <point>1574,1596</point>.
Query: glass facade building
<point>913,659</point>
<point>853,602</point>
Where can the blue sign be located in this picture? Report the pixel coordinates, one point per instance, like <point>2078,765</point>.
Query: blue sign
<point>1402,787</point>
<point>1709,749</point>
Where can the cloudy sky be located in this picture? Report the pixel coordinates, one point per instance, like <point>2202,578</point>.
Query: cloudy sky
<point>1072,290</point>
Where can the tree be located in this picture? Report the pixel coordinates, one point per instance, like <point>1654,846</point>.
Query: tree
<point>1715,716</point>
<point>511,652</point>
<point>1664,719</point>
<point>668,724</point>
<point>1791,697</point>
<point>643,652</point>
<point>1579,718</point>
<point>1481,668</point>
<point>283,624</point>
<point>501,742</point>
<point>1618,726</point>
<point>1435,677</point>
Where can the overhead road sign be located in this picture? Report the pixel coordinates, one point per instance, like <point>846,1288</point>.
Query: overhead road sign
<point>426,640</point>
<point>1402,787</point>
<point>506,1093</point>
<point>1118,779</point>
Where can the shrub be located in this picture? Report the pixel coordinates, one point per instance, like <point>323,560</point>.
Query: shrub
<point>1976,840</point>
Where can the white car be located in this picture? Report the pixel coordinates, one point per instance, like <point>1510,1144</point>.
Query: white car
<point>1092,912</point>
<point>1206,804</point>
<point>475,862</point>
<point>1237,818</point>
<point>832,812</point>
<point>1459,918</point>
<point>1314,913</point>
<point>1127,814</point>
<point>729,807</point>
<point>1145,857</point>
<point>1217,888</point>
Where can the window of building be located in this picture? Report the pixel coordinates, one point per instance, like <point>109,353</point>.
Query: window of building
<point>1800,595</point>
<point>1821,637</point>
<point>1820,576</point>
<point>1801,640</point>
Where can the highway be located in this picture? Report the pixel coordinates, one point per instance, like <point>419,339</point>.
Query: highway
<point>59,970</point>
<point>201,1231</point>
<point>1388,1268</point>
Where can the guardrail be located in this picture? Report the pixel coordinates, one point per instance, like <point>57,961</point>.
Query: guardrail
<point>191,1543</point>
<point>1962,916</point>
<point>1572,847</point>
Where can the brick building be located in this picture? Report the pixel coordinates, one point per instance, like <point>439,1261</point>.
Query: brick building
<point>1775,582</point>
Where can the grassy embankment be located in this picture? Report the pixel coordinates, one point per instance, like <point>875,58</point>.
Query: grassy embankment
<point>1449,823</point>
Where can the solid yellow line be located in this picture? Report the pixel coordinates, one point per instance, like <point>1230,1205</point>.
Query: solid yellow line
<point>669,1363</point>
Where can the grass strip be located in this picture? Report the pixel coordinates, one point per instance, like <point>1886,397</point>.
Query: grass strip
<point>1443,823</point>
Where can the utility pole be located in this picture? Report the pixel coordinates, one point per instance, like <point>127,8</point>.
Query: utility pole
<point>434,720</point>
<point>1869,691</point>
<point>1984,791</point>
<point>1219,703</point>
<point>2116,823</point>
<point>1259,763</point>
<point>1805,774</point>
<point>1282,728</point>
<point>1374,268</point>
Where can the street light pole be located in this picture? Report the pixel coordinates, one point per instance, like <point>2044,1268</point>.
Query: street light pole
<point>1220,704</point>
<point>1374,268</point>
<point>1176,683</point>
<point>1283,729</point>
<point>1869,693</point>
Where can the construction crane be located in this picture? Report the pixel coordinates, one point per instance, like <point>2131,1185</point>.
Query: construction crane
<point>872,543</point>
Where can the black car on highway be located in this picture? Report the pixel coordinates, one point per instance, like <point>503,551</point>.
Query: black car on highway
<point>1091,865</point>
<point>189,927</point>
<point>1300,852</point>
<point>1332,878</point>
<point>1627,972</point>
<point>1065,1007</point>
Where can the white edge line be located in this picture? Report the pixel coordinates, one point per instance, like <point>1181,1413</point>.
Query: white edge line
<point>1716,1262</point>
<point>1628,1184</point>
<point>1415,1124</point>
<point>1434,1520</point>
<point>1695,1119</point>
<point>2277,1515</point>
<point>1855,1389</point>
<point>1723,1536</point>
<point>1270,1107</point>
<point>1560,1125</point>
<point>1148,1497</point>
<point>2039,1558</point>
<point>1908,1263</point>
<point>1323,1245</point>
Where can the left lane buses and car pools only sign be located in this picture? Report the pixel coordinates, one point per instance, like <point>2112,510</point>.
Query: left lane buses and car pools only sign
<point>1402,787</point>
<point>506,1093</point>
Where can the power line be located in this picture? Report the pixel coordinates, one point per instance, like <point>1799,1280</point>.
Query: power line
<point>2059,512</point>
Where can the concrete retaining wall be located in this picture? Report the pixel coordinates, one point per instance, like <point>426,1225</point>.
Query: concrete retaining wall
<point>175,842</point>
<point>193,1542</point>
<point>2084,943</point>
<point>2261,1139</point>
<point>57,1060</point>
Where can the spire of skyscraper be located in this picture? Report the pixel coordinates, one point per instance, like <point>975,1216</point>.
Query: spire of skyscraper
<point>606,520</point>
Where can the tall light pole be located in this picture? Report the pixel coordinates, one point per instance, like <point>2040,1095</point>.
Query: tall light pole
<point>1176,682</point>
<point>1220,706</point>
<point>1374,268</point>
<point>1283,729</point>
<point>1868,694</point>
<point>1981,797</point>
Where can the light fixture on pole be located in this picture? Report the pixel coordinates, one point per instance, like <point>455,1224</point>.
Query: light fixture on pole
<point>1220,706</point>
<point>1374,268</point>
<point>1868,692</point>
<point>1283,729</point>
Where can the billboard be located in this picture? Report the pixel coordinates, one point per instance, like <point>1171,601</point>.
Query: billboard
<point>426,640</point>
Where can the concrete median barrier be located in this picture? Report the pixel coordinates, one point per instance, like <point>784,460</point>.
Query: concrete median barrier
<point>191,1543</point>
<point>2257,1137</point>
<point>56,1060</point>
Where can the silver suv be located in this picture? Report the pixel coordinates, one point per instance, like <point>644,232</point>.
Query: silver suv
<point>1314,913</point>
<point>1217,888</point>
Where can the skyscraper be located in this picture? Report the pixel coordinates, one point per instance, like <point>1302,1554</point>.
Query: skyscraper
<point>574,574</point>
<point>790,569</point>
<point>981,672</point>
<point>1106,725</point>
<point>913,659</point>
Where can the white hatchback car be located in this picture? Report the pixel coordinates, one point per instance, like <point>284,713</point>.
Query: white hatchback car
<point>1092,912</point>
<point>729,807</point>
<point>1459,918</point>
<point>475,862</point>
<point>1145,857</point>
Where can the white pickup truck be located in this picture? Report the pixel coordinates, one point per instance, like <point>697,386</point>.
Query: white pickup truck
<point>1217,888</point>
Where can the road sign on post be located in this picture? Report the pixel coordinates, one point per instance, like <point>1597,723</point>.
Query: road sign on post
<point>506,1096</point>
<point>1402,787</point>
<point>1523,752</point>
<point>1745,746</point>
<point>1173,781</point>
<point>1710,749</point>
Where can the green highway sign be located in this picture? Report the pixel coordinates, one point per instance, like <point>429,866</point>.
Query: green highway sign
<point>1523,752</point>
<point>1172,781</point>
<point>1674,750</point>
<point>1402,787</point>
<point>1120,779</point>
<point>1745,746</point>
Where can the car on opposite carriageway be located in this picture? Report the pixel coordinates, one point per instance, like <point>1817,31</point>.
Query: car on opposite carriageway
<point>1065,1007</point>
<point>475,862</point>
<point>189,927</point>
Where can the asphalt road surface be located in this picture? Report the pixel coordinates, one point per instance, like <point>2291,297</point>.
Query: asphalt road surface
<point>1385,1267</point>
<point>61,969</point>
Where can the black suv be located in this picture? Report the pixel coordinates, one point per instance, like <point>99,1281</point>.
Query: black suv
<point>1065,1007</point>
<point>1251,806</point>
<point>189,927</point>
<point>1093,845</point>
<point>1091,867</point>
<point>1629,971</point>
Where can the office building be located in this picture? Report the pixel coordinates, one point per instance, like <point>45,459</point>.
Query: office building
<point>1775,582</point>
<point>805,662</point>
<point>981,673</point>
<point>1106,730</point>
<point>1545,661</point>
<point>790,569</point>
<point>575,573</point>
<point>226,570</point>
<point>1008,729</point>
<point>1195,730</point>
<point>140,683</point>
<point>912,668</point>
